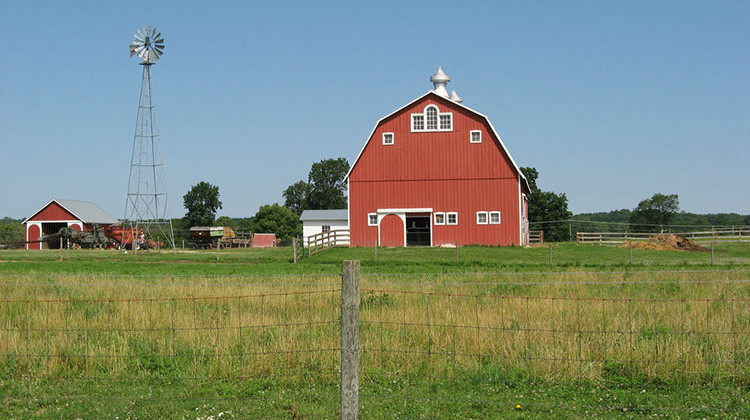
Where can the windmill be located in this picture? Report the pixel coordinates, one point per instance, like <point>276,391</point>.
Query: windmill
<point>146,204</point>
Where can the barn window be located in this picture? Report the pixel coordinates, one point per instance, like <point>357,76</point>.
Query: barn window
<point>439,218</point>
<point>431,115</point>
<point>446,121</point>
<point>417,122</point>
<point>475,136</point>
<point>432,120</point>
<point>495,218</point>
<point>387,139</point>
<point>372,219</point>
<point>451,218</point>
<point>326,228</point>
<point>481,217</point>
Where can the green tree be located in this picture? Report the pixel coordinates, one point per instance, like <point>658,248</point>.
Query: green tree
<point>201,203</point>
<point>653,214</point>
<point>296,195</point>
<point>11,230</point>
<point>273,218</point>
<point>324,189</point>
<point>549,207</point>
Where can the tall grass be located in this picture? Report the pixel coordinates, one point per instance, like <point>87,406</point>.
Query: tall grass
<point>651,326</point>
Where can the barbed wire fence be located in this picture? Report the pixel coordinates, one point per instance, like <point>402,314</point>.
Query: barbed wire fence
<point>434,341</point>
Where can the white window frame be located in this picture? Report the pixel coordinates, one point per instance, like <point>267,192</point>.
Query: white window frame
<point>486,217</point>
<point>471,136</point>
<point>369,219</point>
<point>448,218</point>
<point>413,123</point>
<point>436,218</point>
<point>499,218</point>
<point>423,114</point>
<point>393,139</point>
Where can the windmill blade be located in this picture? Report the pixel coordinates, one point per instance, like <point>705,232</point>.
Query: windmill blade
<point>157,37</point>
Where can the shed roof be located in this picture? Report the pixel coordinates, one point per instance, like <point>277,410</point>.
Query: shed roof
<point>332,214</point>
<point>85,211</point>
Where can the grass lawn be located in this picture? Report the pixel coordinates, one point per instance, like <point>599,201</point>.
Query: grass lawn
<point>500,333</point>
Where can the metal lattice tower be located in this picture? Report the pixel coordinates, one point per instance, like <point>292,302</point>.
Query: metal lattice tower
<point>146,204</point>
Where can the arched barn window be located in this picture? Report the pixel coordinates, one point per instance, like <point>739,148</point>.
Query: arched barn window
<point>431,117</point>
<point>432,120</point>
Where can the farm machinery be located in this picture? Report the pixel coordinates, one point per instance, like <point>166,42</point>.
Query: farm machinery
<point>95,238</point>
<point>125,236</point>
<point>113,236</point>
<point>212,236</point>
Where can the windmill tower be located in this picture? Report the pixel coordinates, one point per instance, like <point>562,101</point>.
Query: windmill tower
<point>146,204</point>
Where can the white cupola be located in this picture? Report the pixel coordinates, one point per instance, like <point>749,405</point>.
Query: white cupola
<point>455,97</point>
<point>440,79</point>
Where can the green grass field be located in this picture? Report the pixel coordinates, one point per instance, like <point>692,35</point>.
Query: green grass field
<point>500,333</point>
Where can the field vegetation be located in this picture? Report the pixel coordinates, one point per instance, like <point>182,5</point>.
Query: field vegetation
<point>105,334</point>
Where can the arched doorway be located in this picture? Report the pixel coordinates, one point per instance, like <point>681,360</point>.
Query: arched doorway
<point>33,235</point>
<point>391,231</point>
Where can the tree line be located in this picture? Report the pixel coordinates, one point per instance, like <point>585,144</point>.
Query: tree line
<point>324,189</point>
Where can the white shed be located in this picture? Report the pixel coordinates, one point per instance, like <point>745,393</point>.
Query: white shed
<point>317,221</point>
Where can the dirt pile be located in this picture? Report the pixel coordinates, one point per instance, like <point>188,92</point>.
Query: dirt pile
<point>667,242</point>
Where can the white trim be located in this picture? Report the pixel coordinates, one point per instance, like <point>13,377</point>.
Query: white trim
<point>520,212</point>
<point>68,221</point>
<point>471,136</point>
<point>499,218</point>
<point>448,218</point>
<point>416,210</point>
<point>486,217</point>
<point>376,219</point>
<point>434,218</point>
<point>497,136</point>
<point>393,139</point>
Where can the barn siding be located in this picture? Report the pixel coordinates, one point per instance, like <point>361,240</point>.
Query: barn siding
<point>53,211</point>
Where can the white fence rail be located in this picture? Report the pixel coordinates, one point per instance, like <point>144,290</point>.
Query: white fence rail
<point>321,241</point>
<point>728,234</point>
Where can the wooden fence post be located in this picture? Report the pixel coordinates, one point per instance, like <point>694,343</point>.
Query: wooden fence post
<point>218,245</point>
<point>631,252</point>
<point>350,340</point>
<point>456,251</point>
<point>295,249</point>
<point>61,246</point>
<point>550,252</point>
<point>712,253</point>
<point>376,250</point>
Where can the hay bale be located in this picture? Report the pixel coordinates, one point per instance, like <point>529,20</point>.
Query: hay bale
<point>667,242</point>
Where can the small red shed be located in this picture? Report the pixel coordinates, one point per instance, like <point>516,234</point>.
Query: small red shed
<point>57,214</point>
<point>435,172</point>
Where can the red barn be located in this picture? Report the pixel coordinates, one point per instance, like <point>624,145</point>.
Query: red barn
<point>435,172</point>
<point>57,214</point>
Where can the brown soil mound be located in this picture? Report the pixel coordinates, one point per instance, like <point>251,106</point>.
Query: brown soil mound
<point>666,243</point>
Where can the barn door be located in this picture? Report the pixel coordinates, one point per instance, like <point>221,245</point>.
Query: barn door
<point>391,231</point>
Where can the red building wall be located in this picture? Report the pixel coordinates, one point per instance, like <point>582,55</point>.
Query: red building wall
<point>53,211</point>
<point>438,170</point>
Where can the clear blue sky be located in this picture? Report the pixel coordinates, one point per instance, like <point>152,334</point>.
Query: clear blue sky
<point>611,101</point>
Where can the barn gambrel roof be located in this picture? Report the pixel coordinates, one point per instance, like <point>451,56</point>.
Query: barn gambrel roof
<point>496,135</point>
<point>85,211</point>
